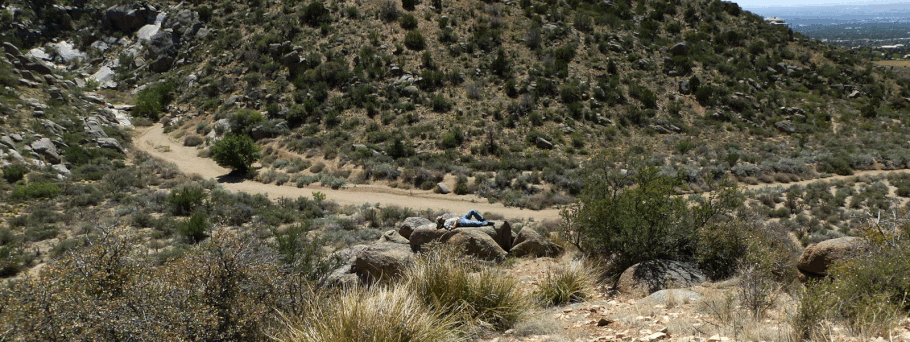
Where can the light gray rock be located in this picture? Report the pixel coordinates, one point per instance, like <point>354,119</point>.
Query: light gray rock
<point>110,143</point>
<point>393,237</point>
<point>680,49</point>
<point>127,17</point>
<point>645,278</point>
<point>46,148</point>
<point>543,143</point>
<point>786,126</point>
<point>410,224</point>
<point>442,188</point>
<point>383,260</point>
<point>529,243</point>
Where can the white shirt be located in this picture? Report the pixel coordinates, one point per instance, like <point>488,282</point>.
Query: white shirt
<point>450,223</point>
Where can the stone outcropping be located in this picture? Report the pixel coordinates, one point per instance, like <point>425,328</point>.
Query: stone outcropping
<point>817,258</point>
<point>645,278</point>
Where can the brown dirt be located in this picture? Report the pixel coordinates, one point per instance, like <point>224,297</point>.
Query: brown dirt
<point>155,142</point>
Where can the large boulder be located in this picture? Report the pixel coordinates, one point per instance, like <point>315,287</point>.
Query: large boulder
<point>817,258</point>
<point>128,17</point>
<point>162,50</point>
<point>502,235</point>
<point>382,260</point>
<point>410,224</point>
<point>343,275</point>
<point>420,237</point>
<point>46,148</point>
<point>393,236</point>
<point>680,49</point>
<point>474,242</point>
<point>647,277</point>
<point>529,242</point>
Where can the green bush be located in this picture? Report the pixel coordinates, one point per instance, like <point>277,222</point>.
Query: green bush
<point>14,173</point>
<point>408,22</point>
<point>153,100</point>
<point>237,152</point>
<point>35,190</point>
<point>643,222</point>
<point>244,120</point>
<point>185,201</point>
<point>414,40</point>
<point>440,104</point>
<point>409,4</point>
<point>194,228</point>
<point>315,14</point>
<point>461,186</point>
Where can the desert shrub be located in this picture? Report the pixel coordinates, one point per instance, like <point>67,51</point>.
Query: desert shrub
<point>440,104</point>
<point>834,164</point>
<point>230,288</point>
<point>238,152</point>
<point>153,100</point>
<point>194,228</point>
<point>571,284</point>
<point>407,21</point>
<point>244,120</point>
<point>369,314</point>
<point>315,14</point>
<point>193,140</point>
<point>35,190</point>
<point>409,4</point>
<point>461,186</point>
<point>388,10</point>
<point>446,280</point>
<point>186,200</point>
<point>414,40</point>
<point>640,223</point>
<point>14,173</point>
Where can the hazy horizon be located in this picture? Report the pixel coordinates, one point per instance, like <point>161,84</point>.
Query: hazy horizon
<point>747,4</point>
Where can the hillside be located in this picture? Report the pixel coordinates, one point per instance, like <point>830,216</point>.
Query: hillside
<point>745,141</point>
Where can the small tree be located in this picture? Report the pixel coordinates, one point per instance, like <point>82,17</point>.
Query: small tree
<point>237,152</point>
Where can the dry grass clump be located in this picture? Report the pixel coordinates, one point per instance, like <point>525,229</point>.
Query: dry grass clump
<point>572,284</point>
<point>376,314</point>
<point>460,286</point>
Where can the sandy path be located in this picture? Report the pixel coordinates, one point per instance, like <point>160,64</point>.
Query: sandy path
<point>829,179</point>
<point>154,141</point>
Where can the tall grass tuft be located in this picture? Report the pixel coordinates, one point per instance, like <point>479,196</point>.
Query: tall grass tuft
<point>571,284</point>
<point>447,280</point>
<point>376,314</point>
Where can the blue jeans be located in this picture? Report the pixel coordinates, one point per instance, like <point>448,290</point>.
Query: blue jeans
<point>467,222</point>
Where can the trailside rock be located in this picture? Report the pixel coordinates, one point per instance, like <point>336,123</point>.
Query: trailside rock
<point>529,242</point>
<point>474,242</point>
<point>502,235</point>
<point>393,237</point>
<point>817,258</point>
<point>343,275</point>
<point>382,260</point>
<point>786,126</point>
<point>424,235</point>
<point>645,278</point>
<point>410,224</point>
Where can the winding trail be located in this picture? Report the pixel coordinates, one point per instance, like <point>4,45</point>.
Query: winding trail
<point>155,142</point>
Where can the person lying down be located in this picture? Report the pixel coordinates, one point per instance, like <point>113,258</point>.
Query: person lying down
<point>465,221</point>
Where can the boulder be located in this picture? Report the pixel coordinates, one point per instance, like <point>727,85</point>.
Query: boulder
<point>666,297</point>
<point>342,275</point>
<point>393,237</point>
<point>11,49</point>
<point>502,235</point>
<point>382,261</point>
<point>817,258</point>
<point>684,87</point>
<point>46,148</point>
<point>427,234</point>
<point>474,242</point>
<point>543,143</point>
<point>443,189</point>
<point>410,224</point>
<point>162,44</point>
<point>645,278</point>
<point>128,17</point>
<point>786,126</point>
<point>110,143</point>
<point>529,242</point>
<point>184,24</point>
<point>680,49</point>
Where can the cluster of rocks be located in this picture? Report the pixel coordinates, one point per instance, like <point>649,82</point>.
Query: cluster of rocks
<point>397,248</point>
<point>32,71</point>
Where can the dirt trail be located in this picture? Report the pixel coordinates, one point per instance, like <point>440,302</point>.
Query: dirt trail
<point>154,141</point>
<point>829,179</point>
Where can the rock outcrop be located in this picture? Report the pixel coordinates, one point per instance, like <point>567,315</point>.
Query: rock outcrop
<point>530,243</point>
<point>382,260</point>
<point>817,258</point>
<point>645,278</point>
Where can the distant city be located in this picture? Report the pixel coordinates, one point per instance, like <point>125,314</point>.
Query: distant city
<point>885,27</point>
